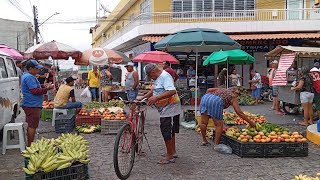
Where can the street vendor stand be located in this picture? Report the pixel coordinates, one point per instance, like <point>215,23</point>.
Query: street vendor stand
<point>286,76</point>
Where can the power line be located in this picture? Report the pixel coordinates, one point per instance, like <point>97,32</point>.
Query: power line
<point>19,8</point>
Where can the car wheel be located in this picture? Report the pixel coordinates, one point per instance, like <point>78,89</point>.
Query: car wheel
<point>270,97</point>
<point>290,109</point>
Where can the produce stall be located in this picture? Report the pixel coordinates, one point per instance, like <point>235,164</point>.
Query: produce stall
<point>63,158</point>
<point>101,117</point>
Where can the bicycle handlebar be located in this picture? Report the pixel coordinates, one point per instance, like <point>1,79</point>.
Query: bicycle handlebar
<point>142,102</point>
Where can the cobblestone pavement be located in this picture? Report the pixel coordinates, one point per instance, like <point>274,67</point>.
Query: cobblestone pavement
<point>194,162</point>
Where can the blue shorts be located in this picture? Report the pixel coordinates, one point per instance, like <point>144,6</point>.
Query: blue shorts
<point>71,105</point>
<point>256,93</point>
<point>213,105</point>
<point>132,94</point>
<point>275,90</point>
<point>94,92</point>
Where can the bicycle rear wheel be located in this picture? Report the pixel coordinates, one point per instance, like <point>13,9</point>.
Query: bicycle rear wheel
<point>124,152</point>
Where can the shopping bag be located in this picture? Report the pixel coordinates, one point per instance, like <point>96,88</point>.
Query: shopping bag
<point>86,93</point>
<point>238,84</point>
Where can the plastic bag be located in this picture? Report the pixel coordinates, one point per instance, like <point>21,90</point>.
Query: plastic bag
<point>222,148</point>
<point>86,93</point>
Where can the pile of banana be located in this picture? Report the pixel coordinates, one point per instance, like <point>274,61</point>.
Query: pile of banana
<point>47,155</point>
<point>209,132</point>
<point>305,177</point>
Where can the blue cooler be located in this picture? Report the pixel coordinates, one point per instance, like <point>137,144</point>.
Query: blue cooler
<point>318,125</point>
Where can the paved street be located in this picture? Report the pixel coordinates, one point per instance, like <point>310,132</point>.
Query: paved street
<point>194,162</point>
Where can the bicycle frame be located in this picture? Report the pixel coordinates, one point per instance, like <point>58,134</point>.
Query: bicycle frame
<point>133,120</point>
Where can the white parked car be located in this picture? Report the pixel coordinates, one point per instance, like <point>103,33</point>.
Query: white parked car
<point>9,90</point>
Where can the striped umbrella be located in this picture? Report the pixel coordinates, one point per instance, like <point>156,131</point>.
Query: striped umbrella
<point>100,57</point>
<point>52,49</point>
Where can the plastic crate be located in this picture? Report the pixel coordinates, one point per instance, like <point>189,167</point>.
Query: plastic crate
<point>266,150</point>
<point>87,120</point>
<point>111,126</point>
<point>65,123</point>
<point>46,114</point>
<point>76,171</point>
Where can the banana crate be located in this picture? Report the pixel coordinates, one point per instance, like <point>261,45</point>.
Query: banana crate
<point>76,171</point>
<point>111,126</point>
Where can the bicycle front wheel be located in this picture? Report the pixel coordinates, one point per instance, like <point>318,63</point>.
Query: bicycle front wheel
<point>124,152</point>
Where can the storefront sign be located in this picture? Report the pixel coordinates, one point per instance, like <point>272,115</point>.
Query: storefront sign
<point>263,45</point>
<point>141,48</point>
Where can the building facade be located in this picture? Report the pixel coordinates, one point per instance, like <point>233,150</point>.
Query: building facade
<point>16,34</point>
<point>258,25</point>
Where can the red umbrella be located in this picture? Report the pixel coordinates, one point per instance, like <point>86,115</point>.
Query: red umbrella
<point>11,52</point>
<point>155,57</point>
<point>101,56</point>
<point>52,49</point>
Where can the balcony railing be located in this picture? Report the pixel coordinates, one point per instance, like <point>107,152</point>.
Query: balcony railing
<point>218,16</point>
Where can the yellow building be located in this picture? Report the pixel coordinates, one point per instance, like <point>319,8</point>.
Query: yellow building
<point>259,25</point>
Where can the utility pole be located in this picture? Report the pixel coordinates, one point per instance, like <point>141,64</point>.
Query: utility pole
<point>18,36</point>
<point>36,25</point>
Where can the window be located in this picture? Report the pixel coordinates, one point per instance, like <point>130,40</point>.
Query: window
<point>145,7</point>
<point>3,69</point>
<point>208,8</point>
<point>12,71</point>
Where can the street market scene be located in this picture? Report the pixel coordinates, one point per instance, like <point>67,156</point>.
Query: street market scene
<point>150,89</point>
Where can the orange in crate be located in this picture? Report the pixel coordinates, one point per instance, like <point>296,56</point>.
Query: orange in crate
<point>210,123</point>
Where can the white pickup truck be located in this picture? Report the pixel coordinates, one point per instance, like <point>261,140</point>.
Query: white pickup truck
<point>9,90</point>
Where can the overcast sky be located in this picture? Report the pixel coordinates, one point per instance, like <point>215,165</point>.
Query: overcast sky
<point>73,13</point>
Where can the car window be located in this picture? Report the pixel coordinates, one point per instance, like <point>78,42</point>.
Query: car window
<point>12,71</point>
<point>3,69</point>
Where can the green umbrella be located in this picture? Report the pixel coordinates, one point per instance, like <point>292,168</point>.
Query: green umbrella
<point>236,56</point>
<point>196,40</point>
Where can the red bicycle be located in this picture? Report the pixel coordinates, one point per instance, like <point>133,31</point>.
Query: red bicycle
<point>129,139</point>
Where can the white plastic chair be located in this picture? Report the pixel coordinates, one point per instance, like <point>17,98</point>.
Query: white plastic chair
<point>12,127</point>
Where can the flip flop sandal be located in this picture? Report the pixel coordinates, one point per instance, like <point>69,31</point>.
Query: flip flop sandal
<point>303,124</point>
<point>164,155</point>
<point>165,161</point>
<point>205,144</point>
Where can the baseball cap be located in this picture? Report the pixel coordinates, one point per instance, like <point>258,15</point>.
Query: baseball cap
<point>129,64</point>
<point>274,62</point>
<point>70,79</point>
<point>33,63</point>
<point>149,67</point>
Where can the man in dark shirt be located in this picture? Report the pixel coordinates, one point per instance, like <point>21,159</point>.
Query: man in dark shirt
<point>42,75</point>
<point>168,69</point>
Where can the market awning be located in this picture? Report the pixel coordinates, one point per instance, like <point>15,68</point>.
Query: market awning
<point>307,52</point>
<point>155,38</point>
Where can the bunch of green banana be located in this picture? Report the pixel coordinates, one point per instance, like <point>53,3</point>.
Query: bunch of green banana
<point>38,146</point>
<point>42,160</point>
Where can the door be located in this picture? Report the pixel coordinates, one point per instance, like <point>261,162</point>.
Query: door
<point>5,109</point>
<point>295,9</point>
<point>14,90</point>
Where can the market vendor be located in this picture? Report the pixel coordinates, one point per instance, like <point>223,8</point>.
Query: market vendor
<point>212,105</point>
<point>64,93</point>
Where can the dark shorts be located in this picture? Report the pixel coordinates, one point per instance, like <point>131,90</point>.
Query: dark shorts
<point>316,101</point>
<point>275,90</point>
<point>94,92</point>
<point>32,116</point>
<point>169,126</point>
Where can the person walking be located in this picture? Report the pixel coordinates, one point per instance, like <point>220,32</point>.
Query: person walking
<point>131,82</point>
<point>32,97</point>
<point>275,89</point>
<point>166,67</point>
<point>212,105</point>
<point>106,82</point>
<point>315,74</point>
<point>235,78</point>
<point>164,96</point>
<point>256,85</point>
<point>222,78</point>
<point>94,82</point>
<point>65,92</point>
<point>305,86</point>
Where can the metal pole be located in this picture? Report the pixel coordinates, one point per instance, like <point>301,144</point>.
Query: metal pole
<point>196,86</point>
<point>36,26</point>
<point>227,80</point>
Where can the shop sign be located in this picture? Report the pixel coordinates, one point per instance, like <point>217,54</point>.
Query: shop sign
<point>262,45</point>
<point>141,49</point>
